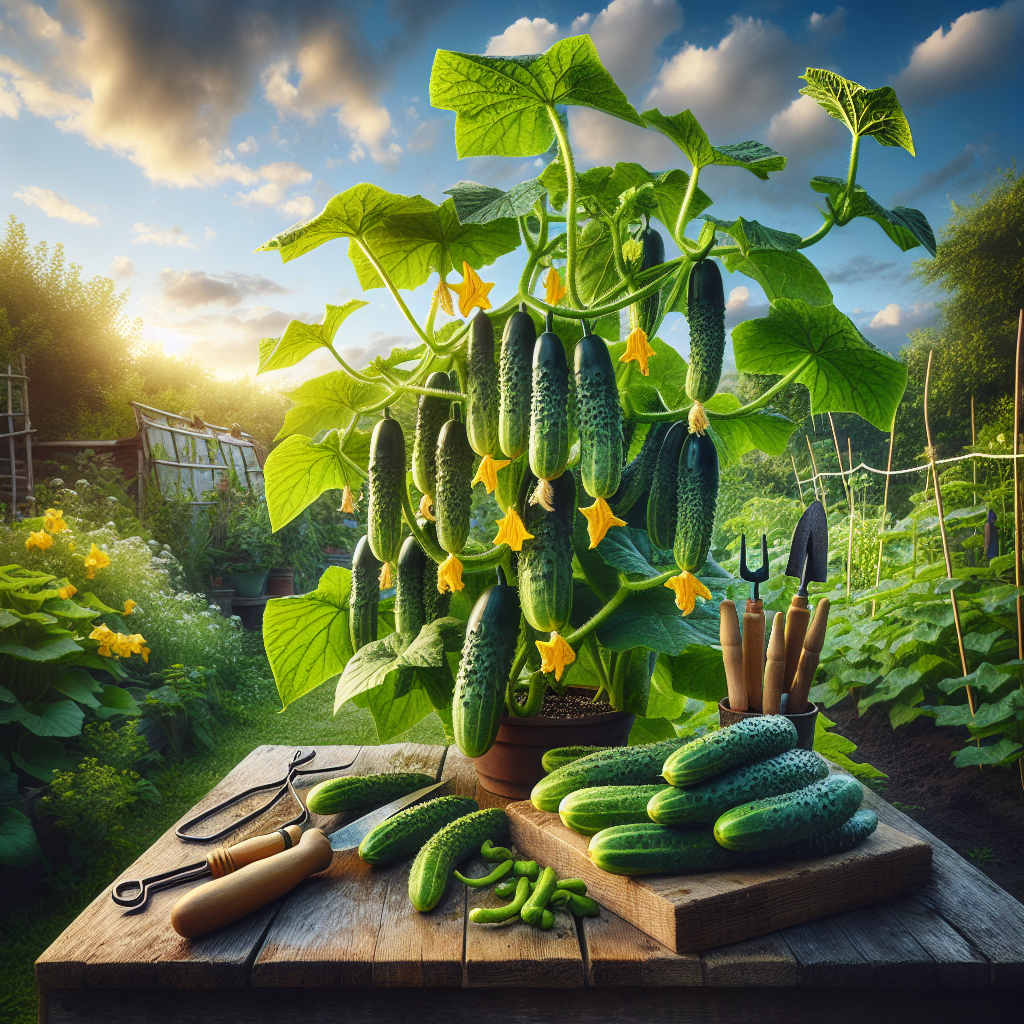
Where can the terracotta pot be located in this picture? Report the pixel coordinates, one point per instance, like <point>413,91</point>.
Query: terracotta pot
<point>804,722</point>
<point>281,582</point>
<point>512,766</point>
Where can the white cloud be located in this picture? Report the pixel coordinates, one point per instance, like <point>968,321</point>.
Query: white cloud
<point>831,26</point>
<point>285,173</point>
<point>9,102</point>
<point>150,233</point>
<point>888,328</point>
<point>266,195</point>
<point>210,235</point>
<point>122,268</point>
<point>804,129</point>
<point>738,299</point>
<point>980,47</point>
<point>299,208</point>
<point>627,34</point>
<point>426,135</point>
<point>248,145</point>
<point>863,268</point>
<point>527,35</point>
<point>888,317</point>
<point>187,289</point>
<point>54,205</point>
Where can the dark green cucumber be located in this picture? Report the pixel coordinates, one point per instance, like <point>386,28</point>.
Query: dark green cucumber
<point>487,654</point>
<point>852,832</point>
<point>638,474</point>
<point>616,766</point>
<point>697,496</point>
<point>644,314</point>
<point>780,820</point>
<point>407,831</point>
<point>435,605</point>
<point>549,408</point>
<point>438,857</point>
<point>558,757</point>
<point>515,383</point>
<point>600,418</point>
<point>663,500</point>
<point>361,792</point>
<point>410,614</point>
<point>783,773</point>
<point>659,850</point>
<point>454,489</point>
<point>705,310</point>
<point>545,562</point>
<point>387,477</point>
<point>587,811</point>
<point>746,742</point>
<point>364,596</point>
<point>481,387</point>
<point>431,414</point>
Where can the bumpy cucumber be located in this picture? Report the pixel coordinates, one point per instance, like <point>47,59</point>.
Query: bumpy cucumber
<point>487,656</point>
<point>359,792</point>
<point>854,831</point>
<point>364,596</point>
<point>638,474</point>
<point>587,811</point>
<point>560,756</point>
<point>697,494</point>
<point>706,802</point>
<point>410,614</point>
<point>435,605</point>
<point>644,314</point>
<point>549,408</point>
<point>515,383</point>
<point>407,831</point>
<point>663,500</point>
<point>746,742</point>
<point>387,477</point>
<point>705,310</point>
<point>431,414</point>
<point>481,387</point>
<point>600,418</point>
<point>433,866</point>
<point>616,766</point>
<point>545,562</point>
<point>659,850</point>
<point>454,488</point>
<point>779,820</point>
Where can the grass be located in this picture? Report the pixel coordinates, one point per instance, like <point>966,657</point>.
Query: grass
<point>29,930</point>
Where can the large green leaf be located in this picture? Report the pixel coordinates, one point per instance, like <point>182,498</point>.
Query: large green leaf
<point>307,637</point>
<point>504,105</point>
<point>763,431</point>
<point>667,374</point>
<point>300,339</point>
<point>988,678</point>
<point>328,402</point>
<point>59,718</point>
<point>41,756</point>
<point>749,234</point>
<point>79,686</point>
<point>46,650</point>
<point>907,227</point>
<point>782,275</point>
<point>685,131</point>
<point>18,844</point>
<point>1005,751</point>
<point>397,705</point>
<point>597,271</point>
<point>698,671</point>
<point>837,748</point>
<point>481,204</point>
<point>874,112</point>
<point>842,371</point>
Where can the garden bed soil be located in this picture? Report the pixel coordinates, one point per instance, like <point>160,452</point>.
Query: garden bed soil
<point>971,810</point>
<point>572,705</point>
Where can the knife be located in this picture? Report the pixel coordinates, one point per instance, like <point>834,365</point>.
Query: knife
<point>224,900</point>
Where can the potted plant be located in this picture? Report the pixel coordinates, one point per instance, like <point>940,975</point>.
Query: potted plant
<point>251,548</point>
<point>601,445</point>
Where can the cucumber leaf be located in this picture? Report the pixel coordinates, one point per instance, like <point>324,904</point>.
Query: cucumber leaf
<point>18,844</point>
<point>760,430</point>
<point>1003,752</point>
<point>481,204</point>
<point>300,339</point>
<point>396,705</point>
<point>504,105</point>
<point>667,375</point>
<point>697,672</point>
<point>836,749</point>
<point>597,270</point>
<point>782,274</point>
<point>749,234</point>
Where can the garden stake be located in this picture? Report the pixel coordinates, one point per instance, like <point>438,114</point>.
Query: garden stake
<point>974,462</point>
<point>1018,568</point>
<point>814,468</point>
<point>753,623</point>
<point>849,544</point>
<point>885,505</point>
<point>797,475</point>
<point>842,477</point>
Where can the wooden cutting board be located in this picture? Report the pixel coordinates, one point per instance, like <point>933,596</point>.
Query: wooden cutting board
<point>691,913</point>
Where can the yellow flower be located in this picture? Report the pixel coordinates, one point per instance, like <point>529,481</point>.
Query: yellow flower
<point>104,651</point>
<point>38,539</point>
<point>444,297</point>
<point>130,606</point>
<point>425,509</point>
<point>54,521</point>
<point>347,503</point>
<point>102,633</point>
<point>555,654</point>
<point>449,575</point>
<point>698,419</point>
<point>511,530</point>
<point>553,287</point>
<point>384,579</point>
<point>96,559</point>
<point>688,588</point>
<point>472,292</point>
<point>67,592</point>
<point>637,350</point>
<point>600,518</point>
<point>487,474</point>
<point>121,646</point>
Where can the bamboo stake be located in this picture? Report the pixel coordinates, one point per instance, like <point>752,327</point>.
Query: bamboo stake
<point>849,548</point>
<point>842,478</point>
<point>797,475</point>
<point>885,507</point>
<point>974,462</point>
<point>1018,567</point>
<point>814,467</point>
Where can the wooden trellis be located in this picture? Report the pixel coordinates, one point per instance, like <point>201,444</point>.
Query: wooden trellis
<point>16,431</point>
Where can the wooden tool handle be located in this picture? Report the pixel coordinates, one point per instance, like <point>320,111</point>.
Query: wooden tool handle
<point>215,904</point>
<point>226,859</point>
<point>775,667</point>
<point>732,655</point>
<point>796,629</point>
<point>813,643</point>
<point>753,652</point>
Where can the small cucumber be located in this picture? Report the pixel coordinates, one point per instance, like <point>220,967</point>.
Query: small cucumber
<point>515,382</point>
<point>386,477</point>
<point>746,742</point>
<point>644,314</point>
<point>431,414</point>
<point>705,310</point>
<point>545,562</point>
<point>697,495</point>
<point>453,492</point>
<point>660,850</point>
<point>638,474</point>
<point>481,387</point>
<point>410,614</point>
<point>663,500</point>
<point>404,833</point>
<point>600,418</point>
<point>587,811</point>
<point>435,604</point>
<point>549,409</point>
<point>364,596</point>
<point>561,756</point>
<point>360,792</point>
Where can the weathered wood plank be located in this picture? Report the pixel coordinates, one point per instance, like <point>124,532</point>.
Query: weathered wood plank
<point>762,962</point>
<point>825,956</point>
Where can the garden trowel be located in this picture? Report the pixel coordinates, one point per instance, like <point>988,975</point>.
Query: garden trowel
<point>808,562</point>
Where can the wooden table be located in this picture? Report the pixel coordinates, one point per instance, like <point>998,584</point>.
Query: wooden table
<point>346,945</point>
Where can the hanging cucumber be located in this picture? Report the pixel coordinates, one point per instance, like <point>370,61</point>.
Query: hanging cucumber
<point>545,562</point>
<point>364,596</point>
<point>698,497</point>
<point>487,655</point>
<point>481,387</point>
<point>435,605</point>
<point>387,478</point>
<point>663,500</point>
<point>644,314</point>
<point>410,614</point>
<point>600,418</point>
<point>431,414</point>
<point>705,311</point>
<point>638,474</point>
<point>454,488</point>
<point>549,413</point>
<point>515,383</point>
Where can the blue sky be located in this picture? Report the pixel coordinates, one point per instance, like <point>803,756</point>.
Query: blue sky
<point>163,142</point>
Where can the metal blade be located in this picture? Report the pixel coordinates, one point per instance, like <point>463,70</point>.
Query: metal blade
<point>808,554</point>
<point>348,837</point>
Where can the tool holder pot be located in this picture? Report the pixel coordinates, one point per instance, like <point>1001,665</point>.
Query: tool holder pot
<point>804,722</point>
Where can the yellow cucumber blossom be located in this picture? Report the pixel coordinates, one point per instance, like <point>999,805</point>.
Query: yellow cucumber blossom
<point>130,606</point>
<point>511,530</point>
<point>384,579</point>
<point>119,645</point>
<point>54,521</point>
<point>96,559</point>
<point>38,539</point>
<point>698,419</point>
<point>444,297</point>
<point>553,287</point>
<point>66,592</point>
<point>600,518</point>
<point>426,509</point>
<point>637,350</point>
<point>347,500</point>
<point>449,575</point>
<point>487,474</point>
<point>555,655</point>
<point>688,588</point>
<point>472,292</point>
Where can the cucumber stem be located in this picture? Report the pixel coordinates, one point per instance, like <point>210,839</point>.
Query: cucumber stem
<point>570,206</point>
<point>682,219</point>
<point>596,311</point>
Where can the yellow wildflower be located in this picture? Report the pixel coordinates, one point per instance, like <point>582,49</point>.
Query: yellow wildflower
<point>472,292</point>
<point>130,606</point>
<point>487,474</point>
<point>511,530</point>
<point>553,287</point>
<point>38,539</point>
<point>121,646</point>
<point>384,579</point>
<point>106,638</point>
<point>698,419</point>
<point>444,297</point>
<point>347,502</point>
<point>688,588</point>
<point>137,645</point>
<point>555,654</point>
<point>67,592</point>
<point>426,509</point>
<point>600,518</point>
<point>637,350</point>
<point>54,521</point>
<point>96,559</point>
<point>449,575</point>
